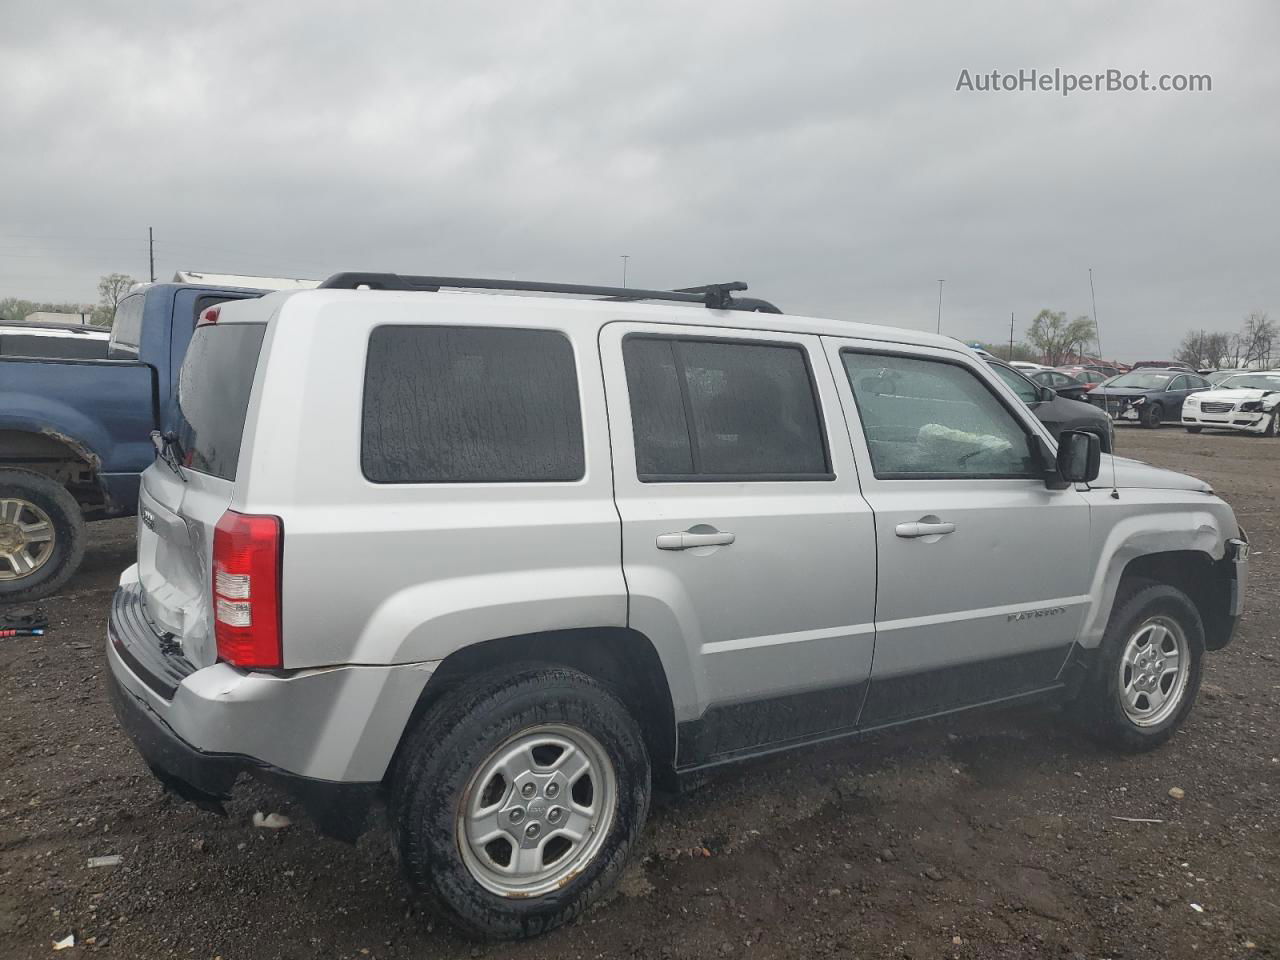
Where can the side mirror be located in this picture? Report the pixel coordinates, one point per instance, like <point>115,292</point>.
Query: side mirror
<point>1079,456</point>
<point>1047,394</point>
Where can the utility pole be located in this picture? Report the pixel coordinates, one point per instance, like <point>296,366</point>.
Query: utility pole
<point>939,306</point>
<point>1010,334</point>
<point>625,258</point>
<point>151,247</point>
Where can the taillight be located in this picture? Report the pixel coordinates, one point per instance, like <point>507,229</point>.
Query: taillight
<point>207,316</point>
<point>247,551</point>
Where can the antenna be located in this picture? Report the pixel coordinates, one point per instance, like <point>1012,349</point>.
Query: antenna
<point>1097,335</point>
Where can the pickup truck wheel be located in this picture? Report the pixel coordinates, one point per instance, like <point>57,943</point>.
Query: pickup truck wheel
<point>516,800</point>
<point>41,536</point>
<point>1147,670</point>
<point>1151,416</point>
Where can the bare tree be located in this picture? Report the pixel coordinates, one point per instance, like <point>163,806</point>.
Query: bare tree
<point>1058,339</point>
<point>1200,349</point>
<point>112,288</point>
<point>1254,343</point>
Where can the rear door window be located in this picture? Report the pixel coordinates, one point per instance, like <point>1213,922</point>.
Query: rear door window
<point>213,395</point>
<point>471,405</point>
<point>723,410</point>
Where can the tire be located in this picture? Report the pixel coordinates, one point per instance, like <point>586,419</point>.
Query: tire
<point>1101,706</point>
<point>1151,416</point>
<point>1273,425</point>
<point>29,569</point>
<point>446,769</point>
<point>1194,429</point>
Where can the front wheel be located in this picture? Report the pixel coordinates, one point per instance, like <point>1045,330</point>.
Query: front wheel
<point>1273,425</point>
<point>518,798</point>
<point>1151,416</point>
<point>1146,672</point>
<point>41,536</point>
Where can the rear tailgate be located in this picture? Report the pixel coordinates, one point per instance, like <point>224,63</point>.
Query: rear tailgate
<point>178,513</point>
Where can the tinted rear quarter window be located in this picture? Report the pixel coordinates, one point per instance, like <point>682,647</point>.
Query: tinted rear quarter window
<point>213,395</point>
<point>448,404</point>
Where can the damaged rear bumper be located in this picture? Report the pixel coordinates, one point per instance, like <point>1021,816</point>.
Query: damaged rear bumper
<point>338,809</point>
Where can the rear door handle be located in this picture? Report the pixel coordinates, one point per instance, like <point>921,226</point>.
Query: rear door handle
<point>686,540</point>
<point>921,528</point>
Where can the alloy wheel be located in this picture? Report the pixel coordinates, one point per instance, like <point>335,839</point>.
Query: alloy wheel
<point>27,538</point>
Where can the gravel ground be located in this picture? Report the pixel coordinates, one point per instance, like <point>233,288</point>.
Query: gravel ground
<point>992,836</point>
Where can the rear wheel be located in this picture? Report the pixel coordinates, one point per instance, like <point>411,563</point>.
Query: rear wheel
<point>1146,672</point>
<point>518,798</point>
<point>1151,416</point>
<point>41,535</point>
<point>1194,429</point>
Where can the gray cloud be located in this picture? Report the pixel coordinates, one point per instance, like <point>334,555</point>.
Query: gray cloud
<point>820,152</point>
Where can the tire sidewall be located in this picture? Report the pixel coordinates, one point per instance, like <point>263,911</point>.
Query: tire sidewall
<point>1149,601</point>
<point>426,813</point>
<point>1152,416</point>
<point>68,525</point>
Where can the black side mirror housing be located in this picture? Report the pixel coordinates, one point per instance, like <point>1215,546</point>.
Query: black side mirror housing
<point>1079,456</point>
<point>1047,394</point>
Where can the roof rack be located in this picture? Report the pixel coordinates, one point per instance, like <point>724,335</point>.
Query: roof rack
<point>714,296</point>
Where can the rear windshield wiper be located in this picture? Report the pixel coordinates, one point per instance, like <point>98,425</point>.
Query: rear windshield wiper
<point>169,450</point>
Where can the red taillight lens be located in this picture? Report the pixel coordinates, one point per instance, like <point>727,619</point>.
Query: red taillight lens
<point>208,316</point>
<point>247,550</point>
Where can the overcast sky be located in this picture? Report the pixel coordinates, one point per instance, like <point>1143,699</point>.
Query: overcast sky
<point>820,152</point>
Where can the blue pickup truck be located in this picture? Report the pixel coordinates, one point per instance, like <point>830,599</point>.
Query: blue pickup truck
<point>75,434</point>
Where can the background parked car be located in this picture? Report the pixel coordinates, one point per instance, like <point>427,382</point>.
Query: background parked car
<point>1217,376</point>
<point>1104,370</point>
<point>1248,402</point>
<point>1148,396</point>
<point>1062,383</point>
<point>1056,412</point>
<point>1026,365</point>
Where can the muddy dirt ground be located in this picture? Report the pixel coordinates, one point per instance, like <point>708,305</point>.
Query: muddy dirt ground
<point>993,836</point>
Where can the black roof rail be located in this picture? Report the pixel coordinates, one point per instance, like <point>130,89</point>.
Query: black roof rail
<point>715,296</point>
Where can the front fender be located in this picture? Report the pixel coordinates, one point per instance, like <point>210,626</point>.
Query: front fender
<point>1141,523</point>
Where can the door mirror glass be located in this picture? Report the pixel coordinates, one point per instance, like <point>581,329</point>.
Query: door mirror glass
<point>1079,456</point>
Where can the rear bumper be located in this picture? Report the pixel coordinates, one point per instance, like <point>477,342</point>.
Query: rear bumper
<point>328,735</point>
<point>338,809</point>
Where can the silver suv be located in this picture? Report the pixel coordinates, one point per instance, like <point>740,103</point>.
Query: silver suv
<point>503,563</point>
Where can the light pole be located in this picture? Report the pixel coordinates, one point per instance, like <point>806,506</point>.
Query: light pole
<point>625,258</point>
<point>1011,335</point>
<point>939,306</point>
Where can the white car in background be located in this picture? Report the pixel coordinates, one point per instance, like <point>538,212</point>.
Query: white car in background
<point>1028,365</point>
<point>1248,402</point>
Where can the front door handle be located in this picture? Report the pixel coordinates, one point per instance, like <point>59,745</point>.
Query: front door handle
<point>923,528</point>
<point>686,541</point>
